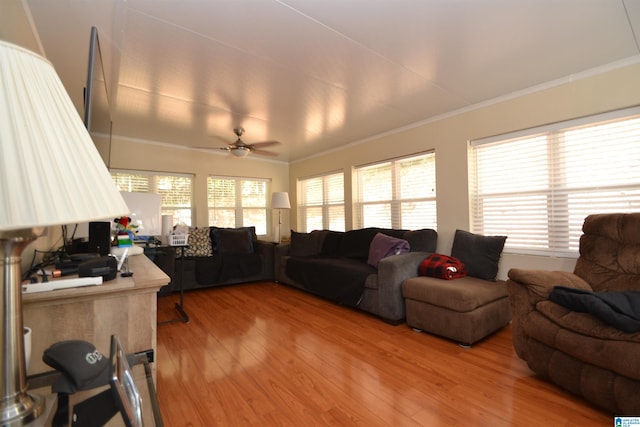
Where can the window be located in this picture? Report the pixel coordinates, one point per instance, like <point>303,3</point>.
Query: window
<point>537,186</point>
<point>321,203</point>
<point>238,202</point>
<point>176,190</point>
<point>399,193</point>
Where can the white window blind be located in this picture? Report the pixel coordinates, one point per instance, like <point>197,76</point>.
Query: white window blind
<point>399,193</point>
<point>238,202</point>
<point>321,203</point>
<point>537,186</point>
<point>176,190</point>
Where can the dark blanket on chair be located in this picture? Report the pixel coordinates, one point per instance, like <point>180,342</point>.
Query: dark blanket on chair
<point>338,279</point>
<point>618,309</point>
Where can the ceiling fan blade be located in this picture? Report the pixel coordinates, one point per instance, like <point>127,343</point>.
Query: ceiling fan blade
<point>263,144</point>
<point>213,148</point>
<point>264,153</point>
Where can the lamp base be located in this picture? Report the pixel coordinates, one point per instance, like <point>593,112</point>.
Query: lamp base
<point>23,409</point>
<point>17,408</point>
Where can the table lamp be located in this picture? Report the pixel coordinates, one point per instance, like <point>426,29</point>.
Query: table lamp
<point>50,174</point>
<point>280,200</point>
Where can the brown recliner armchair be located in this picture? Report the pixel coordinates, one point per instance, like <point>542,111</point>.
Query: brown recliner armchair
<point>576,350</point>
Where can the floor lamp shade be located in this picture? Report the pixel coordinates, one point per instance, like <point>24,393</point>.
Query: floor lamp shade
<point>50,174</point>
<point>280,200</point>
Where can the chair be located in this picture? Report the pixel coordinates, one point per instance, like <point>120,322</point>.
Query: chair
<point>576,350</point>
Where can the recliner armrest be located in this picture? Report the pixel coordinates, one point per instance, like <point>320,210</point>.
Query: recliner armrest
<point>540,283</point>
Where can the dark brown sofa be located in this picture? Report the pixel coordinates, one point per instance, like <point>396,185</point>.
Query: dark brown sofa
<point>576,349</point>
<point>335,265</point>
<point>216,257</point>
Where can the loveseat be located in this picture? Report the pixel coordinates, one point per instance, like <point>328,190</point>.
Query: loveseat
<point>339,266</point>
<point>222,256</point>
<point>572,329</point>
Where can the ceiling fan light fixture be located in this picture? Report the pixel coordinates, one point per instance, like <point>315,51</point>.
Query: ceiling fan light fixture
<point>240,151</point>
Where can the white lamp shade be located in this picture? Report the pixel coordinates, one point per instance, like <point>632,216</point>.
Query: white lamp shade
<point>280,200</point>
<point>50,170</point>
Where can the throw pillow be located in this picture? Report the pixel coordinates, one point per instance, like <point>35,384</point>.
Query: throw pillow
<point>213,232</point>
<point>480,254</point>
<point>383,246</point>
<point>424,240</point>
<point>305,244</point>
<point>199,242</point>
<point>234,241</point>
<point>332,242</point>
<point>356,243</point>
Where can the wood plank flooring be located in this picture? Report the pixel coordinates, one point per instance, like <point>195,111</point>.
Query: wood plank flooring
<point>268,355</point>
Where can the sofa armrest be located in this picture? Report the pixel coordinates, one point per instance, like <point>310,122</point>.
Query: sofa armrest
<point>266,250</point>
<point>392,271</point>
<point>280,252</point>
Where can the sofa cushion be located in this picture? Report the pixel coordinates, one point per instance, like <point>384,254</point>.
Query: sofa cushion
<point>583,323</point>
<point>233,241</point>
<point>424,240</point>
<point>480,254</point>
<point>332,243</point>
<point>383,246</point>
<point>213,232</point>
<point>585,338</point>
<point>338,279</point>
<point>199,242</point>
<point>306,244</point>
<point>355,243</point>
<point>461,295</point>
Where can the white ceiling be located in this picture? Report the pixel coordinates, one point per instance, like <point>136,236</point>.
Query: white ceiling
<point>319,74</point>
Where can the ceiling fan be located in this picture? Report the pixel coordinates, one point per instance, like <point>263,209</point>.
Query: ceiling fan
<point>240,149</point>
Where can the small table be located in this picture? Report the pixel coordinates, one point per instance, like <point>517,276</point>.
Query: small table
<point>184,317</point>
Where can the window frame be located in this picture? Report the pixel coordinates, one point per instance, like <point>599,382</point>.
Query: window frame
<point>566,204</point>
<point>396,201</point>
<point>326,204</point>
<point>239,211</point>
<point>154,178</point>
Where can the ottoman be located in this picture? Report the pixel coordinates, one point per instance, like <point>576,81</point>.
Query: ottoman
<point>465,310</point>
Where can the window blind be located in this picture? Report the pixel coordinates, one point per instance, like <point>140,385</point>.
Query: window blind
<point>399,193</point>
<point>321,203</point>
<point>238,202</point>
<point>537,186</point>
<point>176,190</point>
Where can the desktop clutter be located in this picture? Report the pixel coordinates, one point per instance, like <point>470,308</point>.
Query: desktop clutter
<point>89,263</point>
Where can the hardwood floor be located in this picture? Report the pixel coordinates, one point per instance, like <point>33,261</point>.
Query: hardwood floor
<point>265,354</point>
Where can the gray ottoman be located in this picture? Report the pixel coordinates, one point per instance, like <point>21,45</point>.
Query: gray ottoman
<point>465,310</point>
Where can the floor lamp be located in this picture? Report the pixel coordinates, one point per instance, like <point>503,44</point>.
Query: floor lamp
<point>280,200</point>
<point>50,174</point>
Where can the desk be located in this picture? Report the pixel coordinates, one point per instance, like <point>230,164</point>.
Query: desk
<point>126,306</point>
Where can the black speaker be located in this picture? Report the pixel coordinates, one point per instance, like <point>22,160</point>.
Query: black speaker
<point>100,238</point>
<point>105,266</point>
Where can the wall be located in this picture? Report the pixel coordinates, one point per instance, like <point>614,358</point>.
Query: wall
<point>449,136</point>
<point>134,154</point>
<point>16,27</point>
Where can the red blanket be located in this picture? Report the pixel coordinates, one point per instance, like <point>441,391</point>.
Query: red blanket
<point>443,267</point>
